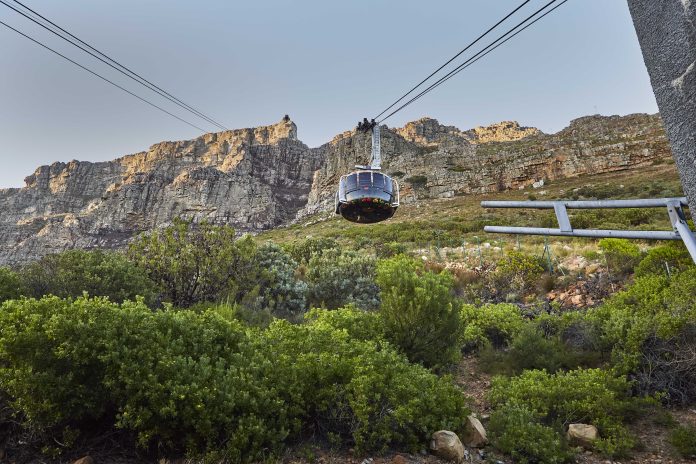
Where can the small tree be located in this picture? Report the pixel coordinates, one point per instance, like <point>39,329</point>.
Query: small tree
<point>420,314</point>
<point>10,284</point>
<point>195,263</point>
<point>337,279</point>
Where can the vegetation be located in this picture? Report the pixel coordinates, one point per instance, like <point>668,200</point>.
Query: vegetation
<point>197,342</point>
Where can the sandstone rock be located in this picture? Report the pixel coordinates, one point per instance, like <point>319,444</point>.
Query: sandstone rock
<point>399,459</point>
<point>582,435</point>
<point>85,460</point>
<point>446,445</point>
<point>259,178</point>
<point>474,433</point>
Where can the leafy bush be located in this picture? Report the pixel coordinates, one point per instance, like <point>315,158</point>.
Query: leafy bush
<point>622,255</point>
<point>337,278</point>
<point>281,292</point>
<point>359,324</point>
<point>494,324</point>
<point>359,392</point>
<point>199,381</point>
<point>674,255</point>
<point>99,273</point>
<point>419,312</point>
<point>653,306</point>
<point>516,430</point>
<point>591,396</point>
<point>194,263</point>
<point>304,250</point>
<point>518,272</point>
<point>683,438</point>
<point>531,348</point>
<point>417,181</point>
<point>11,286</point>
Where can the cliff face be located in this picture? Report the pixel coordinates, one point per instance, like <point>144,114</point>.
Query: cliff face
<point>255,179</point>
<point>434,161</point>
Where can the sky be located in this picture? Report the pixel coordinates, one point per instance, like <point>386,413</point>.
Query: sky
<point>327,64</point>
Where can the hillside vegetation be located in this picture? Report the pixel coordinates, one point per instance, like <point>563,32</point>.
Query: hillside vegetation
<point>328,341</point>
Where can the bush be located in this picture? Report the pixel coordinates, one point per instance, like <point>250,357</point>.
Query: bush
<point>419,311</point>
<point>337,278</point>
<point>516,430</point>
<point>11,286</point>
<point>591,396</point>
<point>99,273</point>
<point>303,251</point>
<point>281,292</point>
<point>653,306</point>
<point>518,272</point>
<point>359,324</point>
<point>195,263</point>
<point>490,324</point>
<point>200,382</point>
<point>675,255</point>
<point>361,393</point>
<point>622,255</point>
<point>683,438</point>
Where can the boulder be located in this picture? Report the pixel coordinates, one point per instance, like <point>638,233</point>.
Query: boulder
<point>582,435</point>
<point>85,460</point>
<point>474,433</point>
<point>446,445</point>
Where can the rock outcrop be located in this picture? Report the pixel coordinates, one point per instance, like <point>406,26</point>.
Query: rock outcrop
<point>259,178</point>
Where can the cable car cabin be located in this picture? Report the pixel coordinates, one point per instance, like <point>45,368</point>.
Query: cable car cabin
<point>367,197</point>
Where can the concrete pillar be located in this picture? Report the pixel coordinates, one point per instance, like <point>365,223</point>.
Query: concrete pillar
<point>667,34</point>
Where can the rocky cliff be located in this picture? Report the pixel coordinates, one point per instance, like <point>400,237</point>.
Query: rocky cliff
<point>255,179</point>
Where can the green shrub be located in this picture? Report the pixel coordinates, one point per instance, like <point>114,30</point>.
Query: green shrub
<point>516,431</point>
<point>194,263</point>
<point>200,382</point>
<point>591,396</point>
<point>280,291</point>
<point>652,306</point>
<point>518,272</point>
<point>490,324</point>
<point>11,285</point>
<point>361,393</point>
<point>337,278</point>
<point>683,438</point>
<point>419,311</point>
<point>359,324</point>
<point>674,255</point>
<point>622,255</point>
<point>417,181</point>
<point>99,273</point>
<point>304,250</point>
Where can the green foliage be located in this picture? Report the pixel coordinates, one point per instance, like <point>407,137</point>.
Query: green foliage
<point>417,181</point>
<point>201,382</point>
<point>99,273</point>
<point>590,396</point>
<point>653,305</point>
<point>303,251</point>
<point>419,312</point>
<point>621,254</point>
<point>683,438</point>
<point>359,324</point>
<point>490,324</point>
<point>516,430</point>
<point>358,392</point>
<point>11,285</point>
<point>194,263</point>
<point>519,272</point>
<point>531,348</point>
<point>674,255</point>
<point>338,278</point>
<point>281,292</point>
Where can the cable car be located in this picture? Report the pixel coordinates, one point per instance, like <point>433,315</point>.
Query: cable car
<point>367,196</point>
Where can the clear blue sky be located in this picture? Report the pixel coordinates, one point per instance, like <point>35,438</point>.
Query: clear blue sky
<point>326,63</point>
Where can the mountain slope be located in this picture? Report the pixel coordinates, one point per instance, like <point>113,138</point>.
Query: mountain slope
<point>256,179</point>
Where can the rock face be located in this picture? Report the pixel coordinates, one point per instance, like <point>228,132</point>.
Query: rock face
<point>256,179</point>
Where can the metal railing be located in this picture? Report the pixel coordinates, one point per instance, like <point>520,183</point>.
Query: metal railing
<point>675,210</point>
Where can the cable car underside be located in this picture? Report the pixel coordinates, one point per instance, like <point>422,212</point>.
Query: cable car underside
<point>367,196</point>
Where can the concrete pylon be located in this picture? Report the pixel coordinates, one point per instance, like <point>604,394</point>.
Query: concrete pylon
<point>667,34</point>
